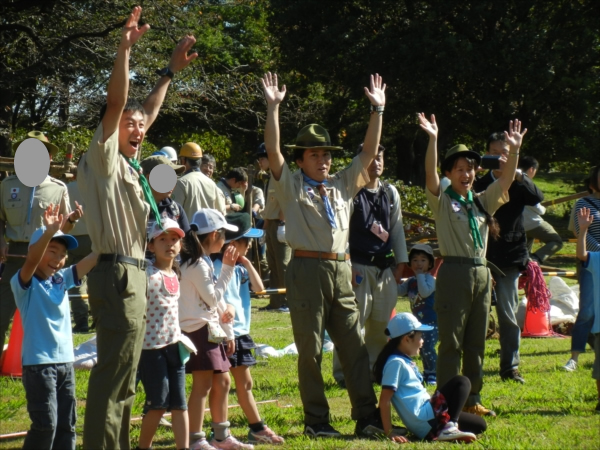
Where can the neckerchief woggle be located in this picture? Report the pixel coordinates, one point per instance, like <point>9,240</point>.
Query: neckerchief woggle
<point>325,198</point>
<point>146,189</point>
<point>468,203</point>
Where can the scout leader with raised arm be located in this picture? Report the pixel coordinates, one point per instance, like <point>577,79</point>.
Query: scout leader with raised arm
<point>318,280</point>
<point>118,200</point>
<point>463,220</point>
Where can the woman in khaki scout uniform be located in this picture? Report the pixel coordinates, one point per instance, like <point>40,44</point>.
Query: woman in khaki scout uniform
<point>117,197</point>
<point>318,279</point>
<point>21,213</point>
<point>463,284</point>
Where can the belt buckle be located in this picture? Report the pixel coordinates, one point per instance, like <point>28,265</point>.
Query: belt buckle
<point>340,257</point>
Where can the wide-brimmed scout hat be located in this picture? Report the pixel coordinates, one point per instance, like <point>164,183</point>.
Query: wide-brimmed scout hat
<point>462,150</point>
<point>52,149</point>
<point>314,136</point>
<point>152,161</point>
<point>242,221</point>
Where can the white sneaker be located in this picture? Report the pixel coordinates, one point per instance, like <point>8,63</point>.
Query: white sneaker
<point>570,366</point>
<point>452,433</point>
<point>201,444</point>
<point>230,443</point>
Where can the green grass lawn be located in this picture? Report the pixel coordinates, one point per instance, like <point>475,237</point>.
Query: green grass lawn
<point>553,409</point>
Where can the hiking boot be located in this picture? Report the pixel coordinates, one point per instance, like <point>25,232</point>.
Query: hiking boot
<point>513,375</point>
<point>230,443</point>
<point>265,436</point>
<point>570,366</point>
<point>321,430</point>
<point>452,433</point>
<point>479,410</point>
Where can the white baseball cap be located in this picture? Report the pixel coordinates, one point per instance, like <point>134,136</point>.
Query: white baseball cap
<point>168,224</point>
<point>208,220</point>
<point>404,323</point>
<point>69,240</point>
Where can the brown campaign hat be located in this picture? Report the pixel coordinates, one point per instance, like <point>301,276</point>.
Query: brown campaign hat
<point>462,150</point>
<point>152,161</point>
<point>52,149</point>
<point>314,136</point>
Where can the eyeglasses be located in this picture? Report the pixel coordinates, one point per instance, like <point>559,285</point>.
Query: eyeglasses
<point>208,166</point>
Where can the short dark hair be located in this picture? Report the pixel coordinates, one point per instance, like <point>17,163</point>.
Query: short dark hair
<point>131,105</point>
<point>528,162</point>
<point>592,181</point>
<point>495,137</point>
<point>208,158</point>
<point>192,162</point>
<point>380,149</point>
<point>449,163</point>
<point>299,152</point>
<point>415,252</point>
<point>238,173</point>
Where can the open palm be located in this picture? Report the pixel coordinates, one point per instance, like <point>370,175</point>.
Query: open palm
<point>53,220</point>
<point>131,31</point>
<point>514,136</point>
<point>430,127</point>
<point>376,93</point>
<point>272,93</point>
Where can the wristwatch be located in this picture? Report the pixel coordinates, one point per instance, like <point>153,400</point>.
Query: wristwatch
<point>378,109</point>
<point>166,72</point>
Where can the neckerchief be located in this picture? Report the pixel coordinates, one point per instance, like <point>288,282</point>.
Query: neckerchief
<point>146,189</point>
<point>411,363</point>
<point>324,197</point>
<point>468,203</point>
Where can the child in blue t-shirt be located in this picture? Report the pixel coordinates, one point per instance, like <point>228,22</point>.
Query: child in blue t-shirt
<point>420,291</point>
<point>591,263</point>
<point>40,289</point>
<point>436,417</point>
<point>237,295</point>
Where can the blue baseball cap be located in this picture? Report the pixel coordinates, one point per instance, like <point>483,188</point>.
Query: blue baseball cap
<point>404,323</point>
<point>69,240</point>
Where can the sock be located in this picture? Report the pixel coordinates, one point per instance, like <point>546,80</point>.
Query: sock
<point>257,427</point>
<point>197,436</point>
<point>221,430</point>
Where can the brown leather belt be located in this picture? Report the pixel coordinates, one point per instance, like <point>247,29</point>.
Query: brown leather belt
<point>321,255</point>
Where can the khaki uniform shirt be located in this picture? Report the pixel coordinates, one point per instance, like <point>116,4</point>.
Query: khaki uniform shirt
<point>79,229</point>
<point>452,221</point>
<point>272,208</point>
<point>195,191</point>
<point>307,227</point>
<point>115,207</point>
<point>15,205</point>
<point>258,198</point>
<point>225,193</point>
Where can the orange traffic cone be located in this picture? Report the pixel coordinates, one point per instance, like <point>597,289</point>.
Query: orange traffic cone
<point>12,366</point>
<point>537,324</point>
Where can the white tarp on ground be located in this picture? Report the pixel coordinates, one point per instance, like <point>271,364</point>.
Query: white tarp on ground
<point>86,354</point>
<point>266,351</point>
<point>564,303</point>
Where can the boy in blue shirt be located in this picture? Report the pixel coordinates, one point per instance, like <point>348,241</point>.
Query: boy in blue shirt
<point>591,263</point>
<point>40,290</point>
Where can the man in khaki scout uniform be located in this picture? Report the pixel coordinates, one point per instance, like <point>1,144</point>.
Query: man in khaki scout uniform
<point>279,252</point>
<point>21,213</point>
<point>194,190</point>
<point>79,305</point>
<point>318,279</point>
<point>118,199</point>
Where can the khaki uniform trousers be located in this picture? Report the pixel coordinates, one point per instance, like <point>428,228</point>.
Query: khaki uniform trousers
<point>118,303</point>
<point>79,306</point>
<point>462,304</point>
<point>320,298</point>
<point>278,258</point>
<point>7,300</point>
<point>376,296</point>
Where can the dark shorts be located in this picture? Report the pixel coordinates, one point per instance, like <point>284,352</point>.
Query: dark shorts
<point>210,356</point>
<point>163,376</point>
<point>243,355</point>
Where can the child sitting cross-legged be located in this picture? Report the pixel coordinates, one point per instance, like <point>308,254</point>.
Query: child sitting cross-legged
<point>40,290</point>
<point>436,417</point>
<point>237,295</point>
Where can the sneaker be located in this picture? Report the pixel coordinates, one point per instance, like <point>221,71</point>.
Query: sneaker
<point>201,444</point>
<point>266,436</point>
<point>513,375</point>
<point>479,410</point>
<point>270,308</point>
<point>283,309</point>
<point>452,433</point>
<point>230,443</point>
<point>431,380</point>
<point>369,426</point>
<point>570,366</point>
<point>321,430</point>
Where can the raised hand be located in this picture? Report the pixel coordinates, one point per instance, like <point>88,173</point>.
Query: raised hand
<point>430,127</point>
<point>230,256</point>
<point>514,136</point>
<point>77,213</point>
<point>180,58</point>
<point>584,218</point>
<point>53,220</point>
<point>131,32</point>
<point>273,95</point>
<point>376,94</point>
